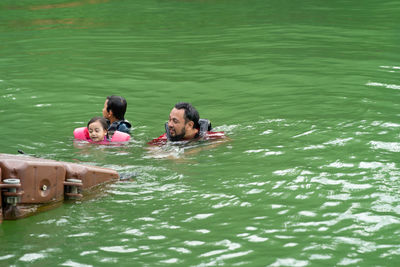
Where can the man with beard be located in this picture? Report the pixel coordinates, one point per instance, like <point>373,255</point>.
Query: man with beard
<point>184,124</point>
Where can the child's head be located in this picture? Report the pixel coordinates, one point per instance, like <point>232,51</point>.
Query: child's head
<point>97,127</point>
<point>114,108</point>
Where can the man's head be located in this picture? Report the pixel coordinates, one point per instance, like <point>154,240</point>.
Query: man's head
<point>114,108</point>
<point>183,123</point>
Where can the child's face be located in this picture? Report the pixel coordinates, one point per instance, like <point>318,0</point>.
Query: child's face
<point>96,131</point>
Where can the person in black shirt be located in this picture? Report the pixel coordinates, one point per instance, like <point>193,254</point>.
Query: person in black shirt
<point>114,111</point>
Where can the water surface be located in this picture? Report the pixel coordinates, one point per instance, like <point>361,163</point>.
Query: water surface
<point>307,92</point>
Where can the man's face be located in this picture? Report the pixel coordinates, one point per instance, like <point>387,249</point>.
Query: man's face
<point>176,124</point>
<point>105,112</point>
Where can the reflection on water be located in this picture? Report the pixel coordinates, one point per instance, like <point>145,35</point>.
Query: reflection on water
<point>68,4</point>
<point>48,24</point>
<point>184,149</point>
<point>307,97</point>
<point>37,20</point>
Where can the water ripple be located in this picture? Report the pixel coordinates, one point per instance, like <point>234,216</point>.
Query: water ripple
<point>118,249</point>
<point>224,243</point>
<point>390,146</point>
<point>30,257</point>
<point>75,264</point>
<point>389,86</point>
<point>199,217</point>
<point>289,262</point>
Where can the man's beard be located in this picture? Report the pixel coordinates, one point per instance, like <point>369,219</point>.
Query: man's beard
<point>178,137</point>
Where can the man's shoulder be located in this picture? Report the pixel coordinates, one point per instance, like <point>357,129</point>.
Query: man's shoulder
<point>124,126</point>
<point>161,140</point>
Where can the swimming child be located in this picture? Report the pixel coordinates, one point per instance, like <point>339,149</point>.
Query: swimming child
<point>97,132</point>
<point>97,128</point>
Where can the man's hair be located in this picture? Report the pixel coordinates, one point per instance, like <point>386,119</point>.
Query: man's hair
<point>117,104</point>
<point>191,114</point>
<point>102,120</point>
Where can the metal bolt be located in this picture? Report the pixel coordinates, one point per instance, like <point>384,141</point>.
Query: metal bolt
<point>12,200</point>
<point>74,189</point>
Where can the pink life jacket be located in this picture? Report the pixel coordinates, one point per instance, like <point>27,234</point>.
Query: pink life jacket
<point>82,133</point>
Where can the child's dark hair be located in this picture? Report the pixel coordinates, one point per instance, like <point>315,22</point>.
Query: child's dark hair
<point>102,121</point>
<point>117,104</point>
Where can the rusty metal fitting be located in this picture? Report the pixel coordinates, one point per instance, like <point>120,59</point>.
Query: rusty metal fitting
<point>73,188</point>
<point>12,197</point>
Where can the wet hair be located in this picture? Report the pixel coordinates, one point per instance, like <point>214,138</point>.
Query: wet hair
<point>103,121</point>
<point>117,104</point>
<point>191,114</point>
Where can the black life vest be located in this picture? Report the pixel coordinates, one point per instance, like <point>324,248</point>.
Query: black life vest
<point>205,126</point>
<point>121,125</point>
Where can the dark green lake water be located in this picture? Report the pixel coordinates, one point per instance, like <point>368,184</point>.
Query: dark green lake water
<point>308,92</point>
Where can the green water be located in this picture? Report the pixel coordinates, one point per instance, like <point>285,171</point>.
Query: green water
<point>307,91</point>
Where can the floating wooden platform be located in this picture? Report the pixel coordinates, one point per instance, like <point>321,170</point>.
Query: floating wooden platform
<point>29,185</point>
